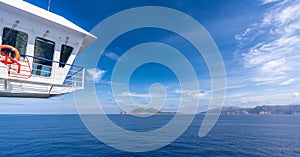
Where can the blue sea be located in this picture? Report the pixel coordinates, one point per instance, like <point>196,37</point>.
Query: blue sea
<point>233,135</point>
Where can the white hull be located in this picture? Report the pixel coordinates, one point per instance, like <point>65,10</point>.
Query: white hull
<point>23,88</point>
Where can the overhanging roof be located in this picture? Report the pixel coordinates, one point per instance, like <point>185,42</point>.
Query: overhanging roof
<point>25,8</point>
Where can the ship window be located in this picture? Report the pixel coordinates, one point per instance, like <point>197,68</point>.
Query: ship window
<point>64,55</point>
<point>43,53</point>
<point>15,38</point>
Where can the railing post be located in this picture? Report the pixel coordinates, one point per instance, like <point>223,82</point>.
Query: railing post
<point>82,78</point>
<point>74,80</point>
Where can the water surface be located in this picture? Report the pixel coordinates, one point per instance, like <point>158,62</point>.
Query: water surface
<point>234,135</point>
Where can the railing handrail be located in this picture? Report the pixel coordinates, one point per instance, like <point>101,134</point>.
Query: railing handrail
<point>73,77</point>
<point>34,57</point>
<point>76,72</point>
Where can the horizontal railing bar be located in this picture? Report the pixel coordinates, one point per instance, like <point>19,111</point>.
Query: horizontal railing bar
<point>74,73</point>
<point>34,57</point>
<point>73,79</point>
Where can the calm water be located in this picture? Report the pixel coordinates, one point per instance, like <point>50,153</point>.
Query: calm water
<point>65,135</point>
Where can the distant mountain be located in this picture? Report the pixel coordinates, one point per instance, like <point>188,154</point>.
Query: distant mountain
<point>289,109</point>
<point>142,110</point>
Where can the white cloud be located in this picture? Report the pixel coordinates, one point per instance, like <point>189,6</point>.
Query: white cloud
<point>194,94</point>
<point>295,94</point>
<point>270,48</point>
<point>112,56</point>
<point>129,94</point>
<point>289,81</point>
<point>95,74</point>
<point>269,1</point>
<point>237,95</point>
<point>276,67</point>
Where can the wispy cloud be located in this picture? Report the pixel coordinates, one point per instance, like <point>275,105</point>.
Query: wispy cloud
<point>95,74</point>
<point>289,81</point>
<point>295,94</point>
<point>194,94</point>
<point>129,94</point>
<point>112,56</point>
<point>237,95</point>
<point>269,1</point>
<point>270,48</point>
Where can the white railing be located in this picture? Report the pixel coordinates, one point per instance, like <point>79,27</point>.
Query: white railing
<point>75,77</point>
<point>69,75</point>
<point>39,78</point>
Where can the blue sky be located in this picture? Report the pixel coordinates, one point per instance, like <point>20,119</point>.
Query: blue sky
<point>258,40</point>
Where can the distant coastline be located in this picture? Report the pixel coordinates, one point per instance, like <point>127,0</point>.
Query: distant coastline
<point>260,110</point>
<point>232,110</point>
<point>145,111</point>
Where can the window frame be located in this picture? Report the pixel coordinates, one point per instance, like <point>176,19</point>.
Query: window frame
<point>41,67</point>
<point>17,35</point>
<point>62,63</point>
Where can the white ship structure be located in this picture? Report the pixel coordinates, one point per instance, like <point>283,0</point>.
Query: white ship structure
<point>37,51</point>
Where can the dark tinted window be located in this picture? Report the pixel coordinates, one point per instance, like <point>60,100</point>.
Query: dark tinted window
<point>43,51</point>
<point>15,38</point>
<point>65,53</point>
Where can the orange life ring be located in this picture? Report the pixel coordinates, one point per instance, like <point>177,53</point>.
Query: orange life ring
<point>16,51</point>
